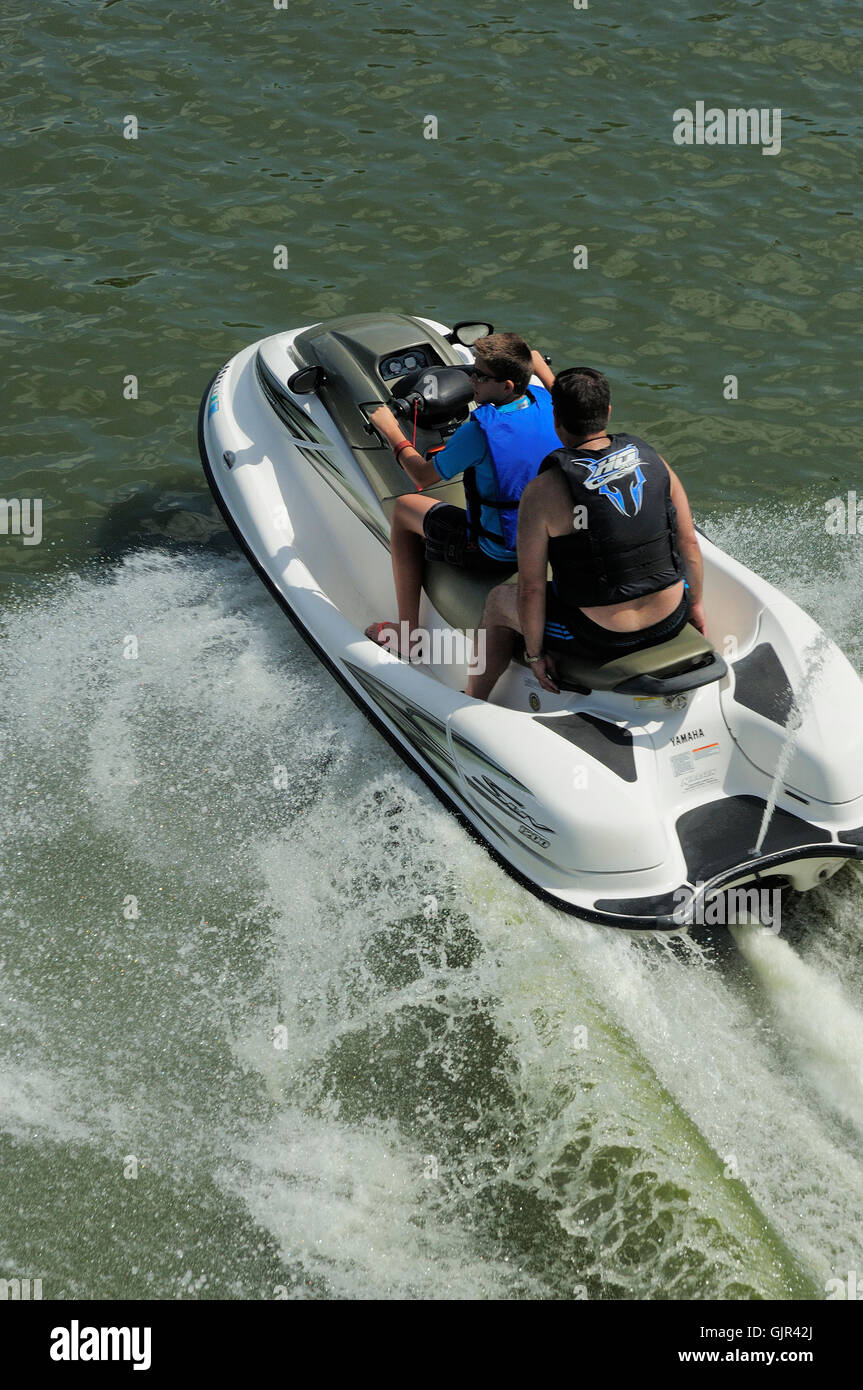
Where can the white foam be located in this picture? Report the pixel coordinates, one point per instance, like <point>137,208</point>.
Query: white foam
<point>414,1032</point>
<point>354,1207</point>
<point>824,1027</point>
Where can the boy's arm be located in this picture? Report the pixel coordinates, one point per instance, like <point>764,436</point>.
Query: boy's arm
<point>418,469</point>
<point>542,369</point>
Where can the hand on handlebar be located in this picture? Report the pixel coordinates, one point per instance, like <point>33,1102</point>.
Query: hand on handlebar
<point>386,424</point>
<point>542,368</point>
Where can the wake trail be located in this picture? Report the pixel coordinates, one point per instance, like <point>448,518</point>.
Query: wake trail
<point>821,1024</point>
<point>697,1029</point>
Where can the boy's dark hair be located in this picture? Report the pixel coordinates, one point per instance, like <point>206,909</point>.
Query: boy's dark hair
<point>581,397</point>
<point>508,357</point>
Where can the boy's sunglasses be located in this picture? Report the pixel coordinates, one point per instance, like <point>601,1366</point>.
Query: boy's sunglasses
<point>482,376</point>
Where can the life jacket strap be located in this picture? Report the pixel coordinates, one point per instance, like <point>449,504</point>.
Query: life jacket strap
<point>475,501</point>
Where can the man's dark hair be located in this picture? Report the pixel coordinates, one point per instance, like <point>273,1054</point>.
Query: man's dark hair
<point>508,358</point>
<point>581,398</point>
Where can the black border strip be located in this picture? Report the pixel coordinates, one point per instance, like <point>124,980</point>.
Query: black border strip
<point>661,923</point>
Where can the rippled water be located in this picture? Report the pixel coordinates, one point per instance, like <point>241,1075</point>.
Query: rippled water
<point>476,1097</point>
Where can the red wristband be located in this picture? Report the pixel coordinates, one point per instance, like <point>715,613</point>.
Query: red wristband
<point>402,444</point>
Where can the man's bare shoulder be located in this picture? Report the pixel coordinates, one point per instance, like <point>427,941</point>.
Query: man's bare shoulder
<point>547,487</point>
<point>546,495</point>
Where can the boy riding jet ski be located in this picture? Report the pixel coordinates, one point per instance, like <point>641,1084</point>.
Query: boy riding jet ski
<point>499,450</point>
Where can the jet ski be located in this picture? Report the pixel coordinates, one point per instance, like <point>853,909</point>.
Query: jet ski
<point>649,785</point>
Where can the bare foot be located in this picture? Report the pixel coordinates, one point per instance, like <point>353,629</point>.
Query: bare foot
<point>385,634</point>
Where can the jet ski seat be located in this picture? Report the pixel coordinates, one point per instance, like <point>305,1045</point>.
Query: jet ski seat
<point>459,595</point>
<point>684,663</point>
<point>668,668</point>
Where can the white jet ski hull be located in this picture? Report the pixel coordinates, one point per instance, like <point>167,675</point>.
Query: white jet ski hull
<point>628,809</point>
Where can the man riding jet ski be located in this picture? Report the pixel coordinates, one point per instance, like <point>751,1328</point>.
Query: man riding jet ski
<point>499,449</point>
<point>612,517</point>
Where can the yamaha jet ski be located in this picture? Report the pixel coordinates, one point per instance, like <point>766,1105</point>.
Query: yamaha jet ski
<point>650,784</point>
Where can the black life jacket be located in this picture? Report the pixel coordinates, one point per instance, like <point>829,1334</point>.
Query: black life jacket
<point>624,542</point>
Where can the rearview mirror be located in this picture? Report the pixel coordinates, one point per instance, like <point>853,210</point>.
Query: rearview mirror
<point>467,332</point>
<point>306,380</point>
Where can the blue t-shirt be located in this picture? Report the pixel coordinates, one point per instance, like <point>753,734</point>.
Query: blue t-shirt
<point>468,448</point>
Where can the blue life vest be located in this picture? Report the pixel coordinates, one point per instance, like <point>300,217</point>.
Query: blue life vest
<point>518,441</point>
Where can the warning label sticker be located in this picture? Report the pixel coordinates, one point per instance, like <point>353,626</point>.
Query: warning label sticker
<point>696,767</point>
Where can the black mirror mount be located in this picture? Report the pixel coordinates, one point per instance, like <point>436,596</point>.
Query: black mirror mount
<point>306,380</point>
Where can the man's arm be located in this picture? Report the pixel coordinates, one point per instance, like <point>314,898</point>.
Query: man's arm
<point>687,538</point>
<point>532,572</point>
<point>417,468</point>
